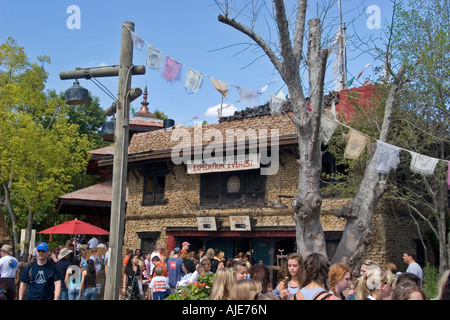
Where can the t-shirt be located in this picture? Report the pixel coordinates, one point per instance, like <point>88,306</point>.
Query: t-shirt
<point>415,269</point>
<point>8,267</point>
<point>62,266</point>
<point>174,266</point>
<point>159,284</point>
<point>40,280</point>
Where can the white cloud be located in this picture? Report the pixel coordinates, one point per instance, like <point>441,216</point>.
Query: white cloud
<point>227,110</point>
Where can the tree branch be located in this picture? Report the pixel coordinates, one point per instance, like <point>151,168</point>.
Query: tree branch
<point>299,30</point>
<point>255,37</point>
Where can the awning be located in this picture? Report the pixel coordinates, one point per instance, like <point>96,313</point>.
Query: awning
<point>93,200</point>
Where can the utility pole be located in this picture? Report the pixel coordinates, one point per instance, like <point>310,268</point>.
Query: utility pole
<point>119,180</point>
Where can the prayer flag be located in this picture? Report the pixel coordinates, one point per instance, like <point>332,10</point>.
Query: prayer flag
<point>194,80</point>
<point>172,70</point>
<point>137,41</point>
<point>350,82</point>
<point>154,58</point>
<point>423,164</point>
<point>248,97</point>
<point>386,157</point>
<point>327,127</point>
<point>356,143</point>
<point>221,86</point>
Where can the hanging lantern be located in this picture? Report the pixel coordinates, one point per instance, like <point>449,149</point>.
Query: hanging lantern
<point>107,132</point>
<point>77,95</point>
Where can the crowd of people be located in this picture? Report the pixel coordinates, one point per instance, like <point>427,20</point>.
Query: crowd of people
<point>68,274</point>
<point>309,278</point>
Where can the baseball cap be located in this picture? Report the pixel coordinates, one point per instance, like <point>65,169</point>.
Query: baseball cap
<point>42,246</point>
<point>186,244</point>
<point>177,250</point>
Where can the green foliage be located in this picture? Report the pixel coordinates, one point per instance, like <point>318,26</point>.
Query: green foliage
<point>430,281</point>
<point>40,150</point>
<point>199,290</point>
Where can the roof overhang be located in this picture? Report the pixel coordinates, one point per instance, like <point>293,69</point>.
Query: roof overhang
<point>165,154</point>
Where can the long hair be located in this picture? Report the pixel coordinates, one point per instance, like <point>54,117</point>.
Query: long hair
<point>246,289</point>
<point>317,266</point>
<point>223,282</point>
<point>301,271</point>
<point>335,274</point>
<point>261,273</point>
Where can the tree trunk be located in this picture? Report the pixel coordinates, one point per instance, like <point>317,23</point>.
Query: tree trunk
<point>357,232</point>
<point>307,203</point>
<point>13,217</point>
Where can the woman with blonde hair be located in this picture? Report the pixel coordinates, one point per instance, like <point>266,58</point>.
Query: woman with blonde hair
<point>339,277</point>
<point>223,283</point>
<point>294,275</point>
<point>246,289</point>
<point>376,284</point>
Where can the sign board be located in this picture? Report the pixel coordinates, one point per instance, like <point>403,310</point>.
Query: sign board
<point>240,223</point>
<point>232,163</point>
<point>206,224</point>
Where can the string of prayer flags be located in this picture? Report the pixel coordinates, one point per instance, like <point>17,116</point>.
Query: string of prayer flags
<point>154,58</point>
<point>327,128</point>
<point>386,157</point>
<point>356,142</point>
<point>220,86</point>
<point>172,70</point>
<point>193,80</point>
<point>248,97</point>
<point>422,164</point>
<point>137,41</point>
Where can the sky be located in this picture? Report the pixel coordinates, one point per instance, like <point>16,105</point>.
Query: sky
<point>186,31</point>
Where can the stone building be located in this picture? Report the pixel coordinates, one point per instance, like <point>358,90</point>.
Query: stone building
<point>230,205</point>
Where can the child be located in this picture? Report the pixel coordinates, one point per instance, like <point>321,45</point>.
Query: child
<point>240,270</point>
<point>204,267</point>
<point>159,285</point>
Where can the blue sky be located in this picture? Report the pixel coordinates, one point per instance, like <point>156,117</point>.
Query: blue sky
<point>187,31</point>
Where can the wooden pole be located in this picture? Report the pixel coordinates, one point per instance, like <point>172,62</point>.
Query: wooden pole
<point>119,179</point>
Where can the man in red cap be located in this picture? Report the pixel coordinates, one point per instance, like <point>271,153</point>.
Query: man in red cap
<point>185,247</point>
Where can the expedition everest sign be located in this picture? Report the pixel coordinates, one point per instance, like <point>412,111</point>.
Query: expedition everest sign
<point>233,163</point>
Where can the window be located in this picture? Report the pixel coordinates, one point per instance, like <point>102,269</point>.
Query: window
<point>230,189</point>
<point>154,186</point>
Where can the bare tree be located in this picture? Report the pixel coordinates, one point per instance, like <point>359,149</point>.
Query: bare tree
<point>307,203</point>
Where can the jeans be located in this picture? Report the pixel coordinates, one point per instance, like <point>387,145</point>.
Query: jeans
<point>74,293</point>
<point>159,295</point>
<point>90,293</point>
<point>63,295</point>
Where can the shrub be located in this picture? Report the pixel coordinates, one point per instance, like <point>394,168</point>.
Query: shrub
<point>199,290</point>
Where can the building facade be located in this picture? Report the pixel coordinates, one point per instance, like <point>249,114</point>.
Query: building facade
<point>173,197</point>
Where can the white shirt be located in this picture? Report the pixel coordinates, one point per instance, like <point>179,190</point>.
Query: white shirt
<point>8,267</point>
<point>93,243</point>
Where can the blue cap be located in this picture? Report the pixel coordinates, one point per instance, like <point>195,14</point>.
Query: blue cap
<point>42,246</point>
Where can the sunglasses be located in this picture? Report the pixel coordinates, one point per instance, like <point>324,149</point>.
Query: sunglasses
<point>40,251</point>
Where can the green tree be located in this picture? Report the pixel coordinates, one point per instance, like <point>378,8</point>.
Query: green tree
<point>40,150</point>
